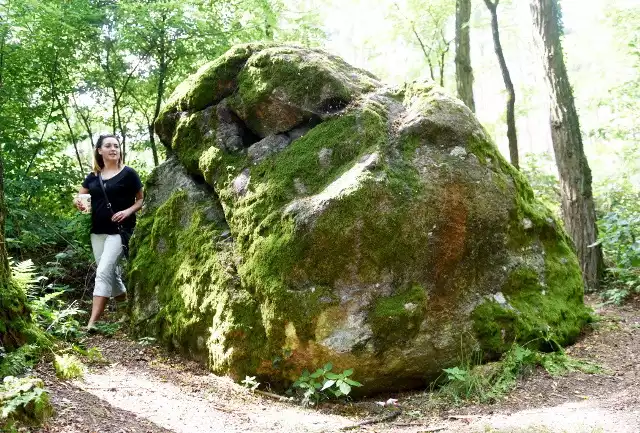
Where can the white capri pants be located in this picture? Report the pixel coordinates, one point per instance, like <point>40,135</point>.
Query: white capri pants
<point>107,249</point>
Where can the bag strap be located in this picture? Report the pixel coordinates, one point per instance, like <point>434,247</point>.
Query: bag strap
<point>104,191</point>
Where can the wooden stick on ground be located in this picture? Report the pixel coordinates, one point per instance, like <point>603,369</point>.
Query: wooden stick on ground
<point>388,417</point>
<point>270,394</point>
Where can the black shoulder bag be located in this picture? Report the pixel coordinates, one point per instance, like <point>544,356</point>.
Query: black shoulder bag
<point>125,234</point>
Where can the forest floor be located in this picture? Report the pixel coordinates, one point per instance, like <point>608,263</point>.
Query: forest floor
<point>141,388</point>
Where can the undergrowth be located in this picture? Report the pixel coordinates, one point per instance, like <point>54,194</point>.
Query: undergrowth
<point>617,202</point>
<point>490,382</point>
<point>323,384</point>
<point>48,324</point>
<point>68,366</point>
<point>23,401</point>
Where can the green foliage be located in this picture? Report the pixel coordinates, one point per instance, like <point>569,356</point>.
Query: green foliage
<point>93,355</point>
<point>147,341</point>
<point>68,366</point>
<point>619,226</point>
<point>540,171</point>
<point>107,329</point>
<point>490,382</point>
<point>20,338</point>
<point>23,401</point>
<point>558,363</point>
<point>55,316</point>
<point>47,310</point>
<point>17,362</point>
<point>322,384</point>
<point>618,210</point>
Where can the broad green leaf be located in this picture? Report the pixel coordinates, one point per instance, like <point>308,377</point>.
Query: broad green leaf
<point>328,384</point>
<point>344,387</point>
<point>352,382</point>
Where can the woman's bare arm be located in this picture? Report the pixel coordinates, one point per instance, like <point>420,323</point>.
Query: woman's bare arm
<point>124,214</point>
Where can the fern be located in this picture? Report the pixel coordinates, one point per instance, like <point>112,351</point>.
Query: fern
<point>68,366</point>
<point>23,400</point>
<point>23,274</point>
<point>17,362</point>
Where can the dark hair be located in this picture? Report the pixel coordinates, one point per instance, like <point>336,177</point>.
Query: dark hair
<point>98,161</point>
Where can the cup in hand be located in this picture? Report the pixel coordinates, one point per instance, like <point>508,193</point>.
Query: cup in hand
<point>83,202</point>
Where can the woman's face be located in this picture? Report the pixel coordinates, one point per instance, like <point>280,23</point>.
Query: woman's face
<point>110,150</point>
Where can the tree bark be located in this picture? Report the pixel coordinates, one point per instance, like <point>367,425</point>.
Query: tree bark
<point>443,56</point>
<point>58,100</point>
<point>578,208</point>
<point>4,261</point>
<point>464,72</point>
<point>162,75</point>
<point>511,93</point>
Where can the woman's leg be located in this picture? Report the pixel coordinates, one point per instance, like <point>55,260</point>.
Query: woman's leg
<point>99,304</point>
<point>107,250</point>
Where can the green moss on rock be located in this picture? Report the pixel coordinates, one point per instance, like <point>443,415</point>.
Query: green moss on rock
<point>395,319</point>
<point>544,309</point>
<point>385,237</point>
<point>186,280</point>
<point>273,97</point>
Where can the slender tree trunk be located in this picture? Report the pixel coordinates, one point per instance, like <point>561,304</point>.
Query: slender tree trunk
<point>39,145</point>
<point>156,112</point>
<point>443,55</point>
<point>427,54</point>
<point>578,208</point>
<point>511,93</point>
<point>162,75</point>
<point>464,72</point>
<point>56,97</point>
<point>86,121</point>
<point>5,272</point>
<point>123,132</point>
<point>71,134</point>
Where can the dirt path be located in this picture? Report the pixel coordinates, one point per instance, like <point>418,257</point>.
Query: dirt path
<point>143,389</point>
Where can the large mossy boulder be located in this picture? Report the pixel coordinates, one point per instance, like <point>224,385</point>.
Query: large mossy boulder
<point>308,213</point>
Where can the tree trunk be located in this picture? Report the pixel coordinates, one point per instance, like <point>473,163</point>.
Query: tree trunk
<point>4,262</point>
<point>72,135</point>
<point>464,72</point>
<point>162,75</point>
<point>511,93</point>
<point>578,209</point>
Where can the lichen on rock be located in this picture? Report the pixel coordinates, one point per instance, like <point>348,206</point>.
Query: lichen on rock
<point>311,214</point>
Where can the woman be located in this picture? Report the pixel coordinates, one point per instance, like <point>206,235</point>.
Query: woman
<point>124,191</point>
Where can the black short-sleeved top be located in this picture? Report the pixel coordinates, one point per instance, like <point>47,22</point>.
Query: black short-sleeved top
<point>121,191</point>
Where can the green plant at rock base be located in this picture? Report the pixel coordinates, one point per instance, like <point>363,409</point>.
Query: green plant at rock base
<point>108,329</point>
<point>323,384</point>
<point>489,382</point>
<point>558,363</point>
<point>250,383</point>
<point>93,355</point>
<point>23,401</point>
<point>68,366</point>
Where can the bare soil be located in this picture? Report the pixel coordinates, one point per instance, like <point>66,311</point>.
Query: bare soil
<point>142,388</point>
